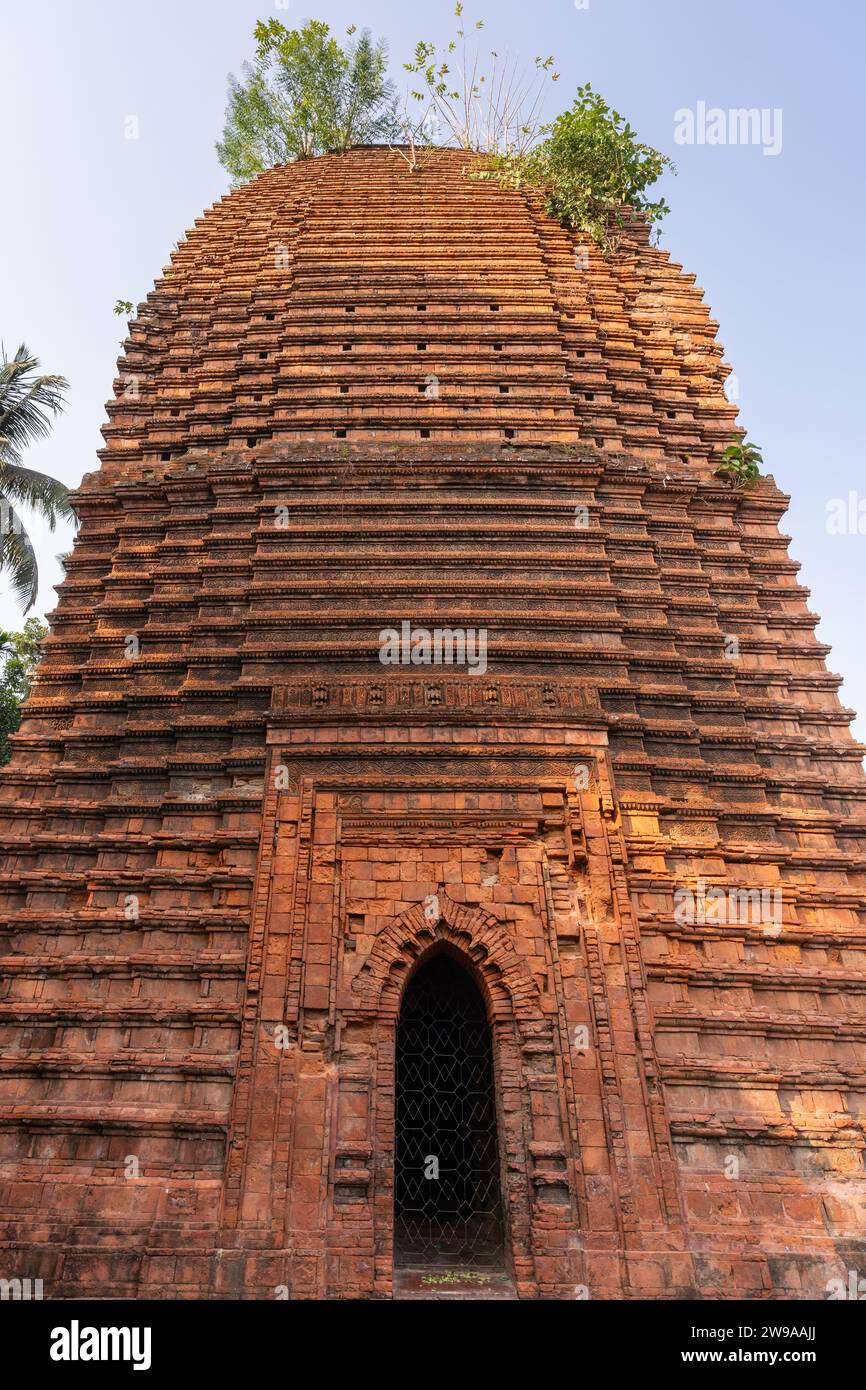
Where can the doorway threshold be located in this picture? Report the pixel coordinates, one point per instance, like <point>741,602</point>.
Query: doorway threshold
<point>458,1282</point>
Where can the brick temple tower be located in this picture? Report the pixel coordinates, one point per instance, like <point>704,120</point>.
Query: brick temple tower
<point>549,961</point>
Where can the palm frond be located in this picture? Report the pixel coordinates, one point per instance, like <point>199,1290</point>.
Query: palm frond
<point>18,559</point>
<point>46,495</point>
<point>26,400</point>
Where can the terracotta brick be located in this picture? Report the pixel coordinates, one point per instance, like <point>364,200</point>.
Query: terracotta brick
<point>235,837</point>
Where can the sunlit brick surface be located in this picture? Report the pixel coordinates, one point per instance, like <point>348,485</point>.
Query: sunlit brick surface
<point>363,395</point>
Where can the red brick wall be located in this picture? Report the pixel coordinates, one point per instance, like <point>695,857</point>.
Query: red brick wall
<point>219,836</point>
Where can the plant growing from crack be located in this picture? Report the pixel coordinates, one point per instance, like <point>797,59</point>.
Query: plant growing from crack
<point>741,463</point>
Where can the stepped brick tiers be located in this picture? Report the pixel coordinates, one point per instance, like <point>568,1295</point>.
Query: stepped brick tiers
<point>628,813</point>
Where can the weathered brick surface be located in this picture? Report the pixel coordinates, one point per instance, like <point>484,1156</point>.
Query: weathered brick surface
<point>359,396</point>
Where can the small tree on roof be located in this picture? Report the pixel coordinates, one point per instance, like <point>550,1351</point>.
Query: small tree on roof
<point>306,94</point>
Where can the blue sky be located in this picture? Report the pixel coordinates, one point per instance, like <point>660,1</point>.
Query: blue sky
<point>774,239</point>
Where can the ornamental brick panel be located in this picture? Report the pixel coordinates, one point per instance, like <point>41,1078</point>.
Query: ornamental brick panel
<point>362,396</point>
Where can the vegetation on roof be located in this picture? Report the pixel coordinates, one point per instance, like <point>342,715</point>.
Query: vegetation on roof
<point>306,94</point>
<point>590,168</point>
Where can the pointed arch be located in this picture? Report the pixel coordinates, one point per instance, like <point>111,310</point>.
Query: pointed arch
<point>479,939</point>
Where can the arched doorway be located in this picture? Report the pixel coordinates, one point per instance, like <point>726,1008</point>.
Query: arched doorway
<point>447,1191</point>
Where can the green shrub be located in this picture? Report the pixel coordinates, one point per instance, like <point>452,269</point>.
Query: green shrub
<point>591,168</point>
<point>741,463</point>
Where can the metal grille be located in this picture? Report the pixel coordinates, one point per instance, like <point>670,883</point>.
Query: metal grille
<point>447,1202</point>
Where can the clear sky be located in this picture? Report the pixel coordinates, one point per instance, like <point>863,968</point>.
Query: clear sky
<point>775,239</point>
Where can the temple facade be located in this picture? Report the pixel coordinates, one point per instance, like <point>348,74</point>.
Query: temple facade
<point>433,849</point>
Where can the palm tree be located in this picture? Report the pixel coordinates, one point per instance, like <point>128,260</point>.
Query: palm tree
<point>26,398</point>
